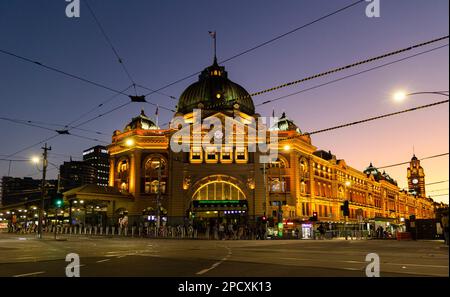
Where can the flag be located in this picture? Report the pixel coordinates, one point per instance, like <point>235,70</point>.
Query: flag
<point>156,111</point>
<point>213,34</point>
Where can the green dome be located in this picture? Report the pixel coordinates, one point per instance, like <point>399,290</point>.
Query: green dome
<point>285,124</point>
<point>214,91</point>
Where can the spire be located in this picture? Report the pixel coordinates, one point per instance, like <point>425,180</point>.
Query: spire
<point>213,35</point>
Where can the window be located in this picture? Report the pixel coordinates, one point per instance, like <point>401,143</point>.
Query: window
<point>241,155</point>
<point>226,155</point>
<point>155,170</point>
<point>219,190</point>
<point>196,155</point>
<point>122,175</point>
<point>275,185</point>
<point>211,155</point>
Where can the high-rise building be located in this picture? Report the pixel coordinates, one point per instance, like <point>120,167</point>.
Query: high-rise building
<point>17,190</point>
<point>75,174</point>
<point>416,178</point>
<point>98,158</point>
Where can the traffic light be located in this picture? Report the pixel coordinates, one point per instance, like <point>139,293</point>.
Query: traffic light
<point>314,217</point>
<point>58,200</point>
<point>345,209</point>
<point>264,219</point>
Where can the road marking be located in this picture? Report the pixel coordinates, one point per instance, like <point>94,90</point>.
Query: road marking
<point>203,271</point>
<point>215,264</point>
<point>418,265</point>
<point>104,260</point>
<point>29,274</point>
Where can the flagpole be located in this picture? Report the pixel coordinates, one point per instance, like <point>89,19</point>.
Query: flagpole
<point>215,45</point>
<point>157,115</point>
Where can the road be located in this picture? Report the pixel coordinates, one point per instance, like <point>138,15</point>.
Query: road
<point>22,256</point>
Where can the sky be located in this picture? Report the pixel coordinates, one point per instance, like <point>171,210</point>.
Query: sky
<point>163,41</point>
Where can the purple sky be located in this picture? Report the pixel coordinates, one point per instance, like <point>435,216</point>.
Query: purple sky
<point>162,41</point>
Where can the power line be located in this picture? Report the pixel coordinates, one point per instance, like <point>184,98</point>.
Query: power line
<point>33,145</point>
<point>263,43</point>
<point>351,75</point>
<point>108,40</point>
<point>338,69</point>
<point>36,124</point>
<point>377,117</point>
<point>404,163</point>
<point>438,195</point>
<point>98,106</point>
<point>435,183</point>
<point>14,160</point>
<point>89,138</point>
<point>54,69</point>
<point>116,53</point>
<point>438,190</point>
<point>102,114</point>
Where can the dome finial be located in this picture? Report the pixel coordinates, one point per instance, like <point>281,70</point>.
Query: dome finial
<point>213,35</point>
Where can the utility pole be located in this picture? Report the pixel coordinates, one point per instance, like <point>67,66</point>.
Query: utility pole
<point>44,172</point>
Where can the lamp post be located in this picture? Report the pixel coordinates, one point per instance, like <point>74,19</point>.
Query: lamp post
<point>43,193</point>
<point>400,96</point>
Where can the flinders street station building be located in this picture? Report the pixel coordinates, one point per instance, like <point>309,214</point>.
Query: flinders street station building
<point>301,184</point>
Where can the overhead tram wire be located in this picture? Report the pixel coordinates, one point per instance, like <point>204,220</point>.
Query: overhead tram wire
<point>108,40</point>
<point>438,190</point>
<point>33,145</point>
<point>38,124</point>
<point>109,99</point>
<point>342,68</point>
<point>263,44</point>
<point>61,132</point>
<point>116,53</point>
<point>407,162</point>
<point>54,69</point>
<point>435,183</point>
<point>377,117</point>
<point>352,75</point>
<point>439,195</point>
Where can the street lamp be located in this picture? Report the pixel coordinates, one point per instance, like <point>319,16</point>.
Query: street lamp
<point>401,95</point>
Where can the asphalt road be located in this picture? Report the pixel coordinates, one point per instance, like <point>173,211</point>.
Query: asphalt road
<point>22,256</point>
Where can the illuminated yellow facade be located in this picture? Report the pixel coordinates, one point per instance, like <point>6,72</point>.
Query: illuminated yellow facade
<point>302,181</point>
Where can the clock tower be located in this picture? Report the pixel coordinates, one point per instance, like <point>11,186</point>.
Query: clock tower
<point>416,178</point>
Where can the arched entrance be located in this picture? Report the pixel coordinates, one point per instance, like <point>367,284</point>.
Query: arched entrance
<point>219,198</point>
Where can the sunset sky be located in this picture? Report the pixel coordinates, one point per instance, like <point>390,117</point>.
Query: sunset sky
<point>163,41</point>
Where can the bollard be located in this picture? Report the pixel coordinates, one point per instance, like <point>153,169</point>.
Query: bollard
<point>107,230</point>
<point>113,230</point>
<point>101,230</point>
<point>90,230</point>
<point>119,231</point>
<point>132,231</point>
<point>126,231</point>
<point>139,231</point>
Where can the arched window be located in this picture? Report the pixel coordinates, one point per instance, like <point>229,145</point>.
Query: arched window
<point>279,163</point>
<point>219,190</point>
<point>123,168</point>
<point>155,169</point>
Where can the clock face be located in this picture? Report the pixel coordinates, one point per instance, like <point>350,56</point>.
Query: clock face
<point>415,181</point>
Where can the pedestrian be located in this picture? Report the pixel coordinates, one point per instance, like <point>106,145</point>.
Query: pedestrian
<point>444,223</point>
<point>221,231</point>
